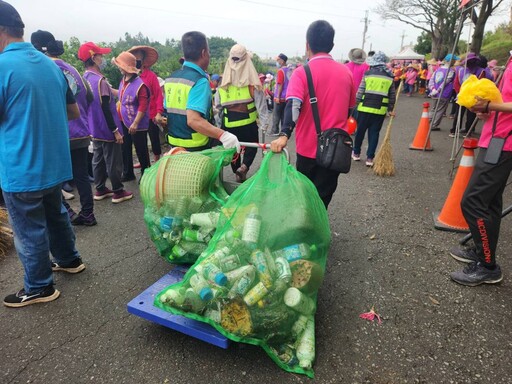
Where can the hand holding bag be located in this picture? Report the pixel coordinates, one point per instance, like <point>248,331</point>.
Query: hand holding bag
<point>334,146</point>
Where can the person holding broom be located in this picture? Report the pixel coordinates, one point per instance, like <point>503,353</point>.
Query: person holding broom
<point>375,98</point>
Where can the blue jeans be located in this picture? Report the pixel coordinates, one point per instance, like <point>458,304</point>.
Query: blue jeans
<point>41,225</point>
<point>372,123</point>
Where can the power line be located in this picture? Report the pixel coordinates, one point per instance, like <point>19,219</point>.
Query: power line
<point>297,9</point>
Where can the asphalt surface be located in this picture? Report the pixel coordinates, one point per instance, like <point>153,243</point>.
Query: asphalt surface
<point>385,253</point>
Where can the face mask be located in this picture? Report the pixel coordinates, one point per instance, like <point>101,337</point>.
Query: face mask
<point>278,65</point>
<point>138,64</point>
<point>103,64</point>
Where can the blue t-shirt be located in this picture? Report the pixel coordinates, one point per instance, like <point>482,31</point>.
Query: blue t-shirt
<point>34,136</point>
<point>200,96</point>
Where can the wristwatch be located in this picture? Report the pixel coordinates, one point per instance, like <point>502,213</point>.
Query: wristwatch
<point>284,134</point>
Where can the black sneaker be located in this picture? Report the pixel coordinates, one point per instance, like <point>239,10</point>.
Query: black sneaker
<point>87,220</point>
<point>76,266</point>
<point>22,299</point>
<point>475,274</point>
<point>466,255</point>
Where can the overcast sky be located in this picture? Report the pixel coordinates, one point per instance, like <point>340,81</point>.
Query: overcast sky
<point>266,27</point>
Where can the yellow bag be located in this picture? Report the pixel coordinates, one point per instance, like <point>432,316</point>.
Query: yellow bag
<point>483,88</point>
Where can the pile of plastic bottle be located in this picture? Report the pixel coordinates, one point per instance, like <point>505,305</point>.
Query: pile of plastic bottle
<point>182,228</point>
<point>247,288</point>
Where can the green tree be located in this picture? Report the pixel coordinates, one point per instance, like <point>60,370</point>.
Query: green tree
<point>424,44</point>
<point>497,44</point>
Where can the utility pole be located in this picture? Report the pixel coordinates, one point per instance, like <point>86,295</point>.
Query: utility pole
<point>403,37</point>
<point>366,22</point>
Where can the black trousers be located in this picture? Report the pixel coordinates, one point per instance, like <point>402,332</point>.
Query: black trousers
<point>140,140</point>
<point>154,137</point>
<point>79,162</point>
<point>246,133</point>
<point>482,204</point>
<point>325,180</point>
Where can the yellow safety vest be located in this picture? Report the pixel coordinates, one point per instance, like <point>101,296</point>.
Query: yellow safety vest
<point>234,95</point>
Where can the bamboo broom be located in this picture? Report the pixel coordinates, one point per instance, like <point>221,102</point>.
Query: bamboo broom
<point>383,165</point>
<point>5,233</point>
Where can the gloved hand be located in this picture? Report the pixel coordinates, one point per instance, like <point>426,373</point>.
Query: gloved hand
<point>229,140</point>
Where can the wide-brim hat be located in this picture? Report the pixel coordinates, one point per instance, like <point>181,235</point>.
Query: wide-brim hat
<point>126,61</point>
<point>471,56</point>
<point>238,54</point>
<point>357,55</point>
<point>432,61</point>
<point>150,54</point>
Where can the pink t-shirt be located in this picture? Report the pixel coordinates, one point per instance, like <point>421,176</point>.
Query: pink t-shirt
<point>504,124</point>
<point>358,71</point>
<point>336,93</point>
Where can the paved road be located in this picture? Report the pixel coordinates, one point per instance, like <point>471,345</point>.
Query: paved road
<point>385,253</point>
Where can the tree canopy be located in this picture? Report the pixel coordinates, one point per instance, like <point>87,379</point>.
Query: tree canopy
<point>169,54</point>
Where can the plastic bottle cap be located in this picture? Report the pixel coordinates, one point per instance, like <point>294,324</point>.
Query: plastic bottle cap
<point>221,279</point>
<point>206,294</point>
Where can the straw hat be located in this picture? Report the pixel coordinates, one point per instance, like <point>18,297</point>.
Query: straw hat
<point>150,54</point>
<point>357,55</point>
<point>126,61</point>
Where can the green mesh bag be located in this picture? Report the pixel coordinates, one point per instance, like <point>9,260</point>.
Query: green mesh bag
<point>182,196</point>
<point>258,279</point>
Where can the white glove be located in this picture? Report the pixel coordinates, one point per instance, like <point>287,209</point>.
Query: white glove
<point>229,140</point>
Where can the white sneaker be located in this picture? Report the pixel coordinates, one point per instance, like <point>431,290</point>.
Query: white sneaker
<point>369,162</point>
<point>67,195</point>
<point>356,157</point>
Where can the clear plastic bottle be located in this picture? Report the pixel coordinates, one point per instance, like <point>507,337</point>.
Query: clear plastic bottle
<point>244,283</point>
<point>201,287</point>
<point>195,204</point>
<point>173,297</point>
<point>296,252</point>
<point>229,262</point>
<point>299,302</point>
<point>306,345</point>
<point>259,260</point>
<point>252,228</point>
<point>181,210</point>
<point>299,326</point>
<point>206,219</point>
<point>192,302</point>
<point>213,273</point>
<point>195,235</point>
<point>235,274</point>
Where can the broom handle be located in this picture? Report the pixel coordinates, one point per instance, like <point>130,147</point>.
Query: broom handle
<point>388,128</point>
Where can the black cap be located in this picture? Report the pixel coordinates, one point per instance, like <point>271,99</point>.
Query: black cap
<point>283,57</point>
<point>45,42</point>
<point>9,17</point>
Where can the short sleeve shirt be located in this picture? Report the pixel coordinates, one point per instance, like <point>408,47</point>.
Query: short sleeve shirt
<point>200,96</point>
<point>336,93</point>
<point>34,134</point>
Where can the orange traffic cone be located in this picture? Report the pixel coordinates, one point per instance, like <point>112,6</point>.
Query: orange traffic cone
<point>422,135</point>
<point>451,218</point>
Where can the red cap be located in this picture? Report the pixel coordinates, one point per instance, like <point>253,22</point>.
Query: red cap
<point>88,50</point>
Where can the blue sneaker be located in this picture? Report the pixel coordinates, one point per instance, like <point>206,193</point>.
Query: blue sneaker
<point>475,274</point>
<point>466,255</point>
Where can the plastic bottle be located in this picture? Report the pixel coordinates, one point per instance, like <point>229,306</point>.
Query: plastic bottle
<point>296,252</point>
<point>184,248</point>
<point>213,312</point>
<point>157,237</point>
<point>235,274</point>
<point>259,260</point>
<point>306,346</point>
<point>299,326</point>
<point>207,219</point>
<point>192,302</point>
<point>166,223</point>
<point>181,211</point>
<point>258,292</point>
<point>229,262</point>
<point>195,204</point>
<point>173,297</point>
<point>196,235</point>
<point>213,273</point>
<point>201,287</point>
<point>218,254</point>
<point>252,227</point>
<point>244,283</point>
<point>299,302</point>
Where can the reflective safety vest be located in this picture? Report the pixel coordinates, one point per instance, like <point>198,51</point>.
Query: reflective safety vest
<point>234,95</point>
<point>176,88</point>
<point>375,98</point>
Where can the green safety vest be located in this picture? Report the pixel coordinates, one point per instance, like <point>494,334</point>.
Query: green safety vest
<point>375,99</point>
<point>234,95</point>
<point>176,89</point>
